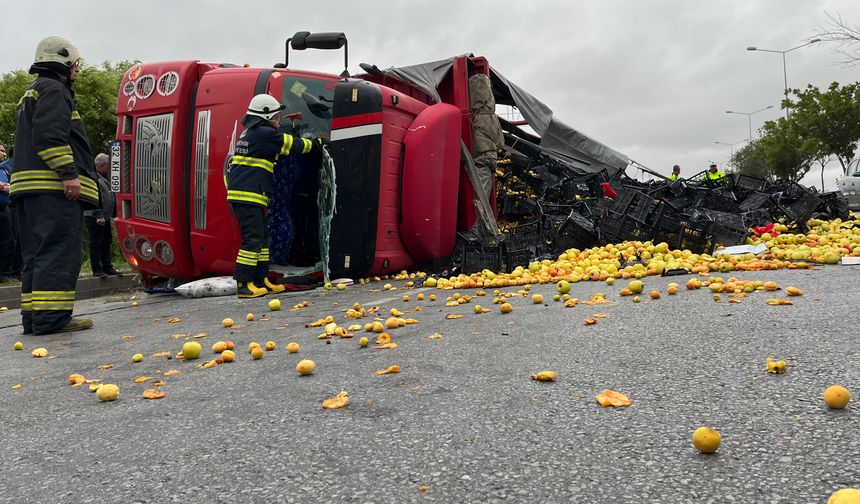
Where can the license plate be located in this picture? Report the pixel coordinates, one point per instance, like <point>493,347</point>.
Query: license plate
<point>115,163</point>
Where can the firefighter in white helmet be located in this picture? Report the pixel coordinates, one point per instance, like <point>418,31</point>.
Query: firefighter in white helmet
<point>250,175</point>
<point>53,181</point>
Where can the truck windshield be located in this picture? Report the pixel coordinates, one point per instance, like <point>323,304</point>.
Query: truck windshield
<point>311,99</point>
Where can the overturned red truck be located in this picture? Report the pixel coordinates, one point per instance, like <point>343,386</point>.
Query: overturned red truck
<point>400,141</point>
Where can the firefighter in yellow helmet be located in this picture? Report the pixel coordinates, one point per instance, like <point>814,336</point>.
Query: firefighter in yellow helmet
<point>250,175</point>
<point>53,181</point>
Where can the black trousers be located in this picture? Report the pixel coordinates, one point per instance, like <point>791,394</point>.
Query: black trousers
<point>51,245</point>
<point>100,243</point>
<point>252,261</point>
<point>7,243</point>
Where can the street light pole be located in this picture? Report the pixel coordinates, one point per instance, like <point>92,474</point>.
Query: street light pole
<point>749,117</point>
<point>784,71</point>
<point>731,146</point>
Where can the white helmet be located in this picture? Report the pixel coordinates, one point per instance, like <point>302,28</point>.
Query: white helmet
<point>265,106</point>
<point>57,50</point>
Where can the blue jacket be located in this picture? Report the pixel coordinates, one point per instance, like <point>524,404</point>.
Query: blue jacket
<point>5,176</point>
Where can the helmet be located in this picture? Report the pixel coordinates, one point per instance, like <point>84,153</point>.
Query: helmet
<point>57,50</point>
<point>265,106</point>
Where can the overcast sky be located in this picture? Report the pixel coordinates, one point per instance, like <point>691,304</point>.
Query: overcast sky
<point>652,79</point>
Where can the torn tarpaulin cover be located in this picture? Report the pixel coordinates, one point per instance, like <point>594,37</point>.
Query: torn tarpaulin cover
<point>556,136</point>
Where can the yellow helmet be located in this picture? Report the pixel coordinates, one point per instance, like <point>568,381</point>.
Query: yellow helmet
<point>57,50</point>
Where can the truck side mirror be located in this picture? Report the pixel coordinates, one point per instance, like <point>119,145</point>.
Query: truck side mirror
<point>329,40</point>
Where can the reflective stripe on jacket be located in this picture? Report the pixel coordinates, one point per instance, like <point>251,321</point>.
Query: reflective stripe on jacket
<point>251,172</point>
<point>51,144</point>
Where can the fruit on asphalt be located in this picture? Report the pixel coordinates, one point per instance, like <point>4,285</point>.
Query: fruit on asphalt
<point>107,392</point>
<point>506,308</point>
<point>636,286</point>
<point>836,397</point>
<point>341,287</point>
<point>478,309</point>
<point>137,357</point>
<point>327,286</point>
<point>392,323</point>
<point>420,297</point>
<point>292,347</point>
<point>228,356</point>
<point>793,291</point>
<point>219,347</point>
<point>706,439</point>
<point>19,345</point>
<point>430,282</point>
<point>544,376</point>
<point>693,284</point>
<point>636,299</point>
<point>249,317</point>
<point>336,402</point>
<point>672,289</point>
<point>227,322</point>
<point>845,496</point>
<point>252,345</point>
<point>654,294</point>
<point>770,286</point>
<point>610,281</point>
<point>387,286</point>
<point>556,297</point>
<point>306,367</point>
<point>275,304</point>
<point>537,298</point>
<point>775,366</point>
<point>363,342</point>
<point>432,297</point>
<point>257,353</point>
<point>405,298</point>
<point>39,352</point>
<point>563,287</point>
<point>191,349</point>
<point>377,327</point>
<point>270,345</point>
<point>76,379</point>
<point>229,344</point>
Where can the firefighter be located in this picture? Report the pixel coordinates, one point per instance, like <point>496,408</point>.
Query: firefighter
<point>53,180</point>
<point>249,182</point>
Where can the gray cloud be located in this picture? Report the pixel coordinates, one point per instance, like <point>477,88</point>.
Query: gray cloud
<point>651,79</point>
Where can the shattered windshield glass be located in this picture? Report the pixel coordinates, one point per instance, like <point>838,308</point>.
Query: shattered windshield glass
<point>309,102</point>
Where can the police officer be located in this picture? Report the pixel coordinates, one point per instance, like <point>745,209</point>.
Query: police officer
<point>53,180</point>
<point>713,174</point>
<point>249,182</point>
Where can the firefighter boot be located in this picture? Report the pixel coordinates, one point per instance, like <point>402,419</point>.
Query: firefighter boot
<point>273,288</point>
<point>76,324</point>
<point>249,290</point>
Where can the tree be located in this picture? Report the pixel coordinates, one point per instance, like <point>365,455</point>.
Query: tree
<point>844,36</point>
<point>96,91</point>
<point>750,160</point>
<point>781,145</point>
<point>829,122</point>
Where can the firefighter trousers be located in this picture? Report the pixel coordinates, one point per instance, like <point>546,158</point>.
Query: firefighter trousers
<point>252,260</point>
<point>51,246</point>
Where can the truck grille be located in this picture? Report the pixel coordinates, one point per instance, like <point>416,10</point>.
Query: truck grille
<point>152,167</point>
<point>201,169</point>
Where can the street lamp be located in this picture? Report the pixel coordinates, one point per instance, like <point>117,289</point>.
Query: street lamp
<point>731,146</point>
<point>749,117</point>
<point>784,73</point>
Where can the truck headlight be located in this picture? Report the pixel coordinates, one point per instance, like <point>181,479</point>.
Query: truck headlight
<point>163,253</point>
<point>144,248</point>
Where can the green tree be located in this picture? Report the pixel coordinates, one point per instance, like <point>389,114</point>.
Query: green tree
<point>828,122</point>
<point>750,160</point>
<point>96,91</point>
<point>781,144</point>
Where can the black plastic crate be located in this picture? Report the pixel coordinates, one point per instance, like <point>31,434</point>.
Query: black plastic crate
<point>524,235</point>
<point>834,205</point>
<point>517,206</point>
<point>727,219</point>
<point>612,229</point>
<point>696,236</point>
<point>641,210</point>
<point>476,256</point>
<point>624,199</point>
<point>756,218</point>
<point>727,236</point>
<point>801,209</point>
<point>577,231</point>
<point>517,257</point>
<point>668,219</point>
<point>720,200</point>
<point>748,183</point>
<point>755,201</point>
<point>678,202</point>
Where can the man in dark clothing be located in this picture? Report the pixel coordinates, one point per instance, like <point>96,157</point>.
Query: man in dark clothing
<point>53,180</point>
<point>7,238</point>
<point>99,223</point>
<point>249,182</point>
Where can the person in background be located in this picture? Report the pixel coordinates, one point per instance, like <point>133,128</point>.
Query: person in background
<point>714,174</point>
<point>53,182</point>
<point>99,223</point>
<point>676,173</point>
<point>7,240</point>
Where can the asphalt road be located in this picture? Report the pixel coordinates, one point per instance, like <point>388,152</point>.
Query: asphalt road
<point>462,417</point>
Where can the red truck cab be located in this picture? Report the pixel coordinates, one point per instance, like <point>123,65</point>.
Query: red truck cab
<point>396,154</point>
